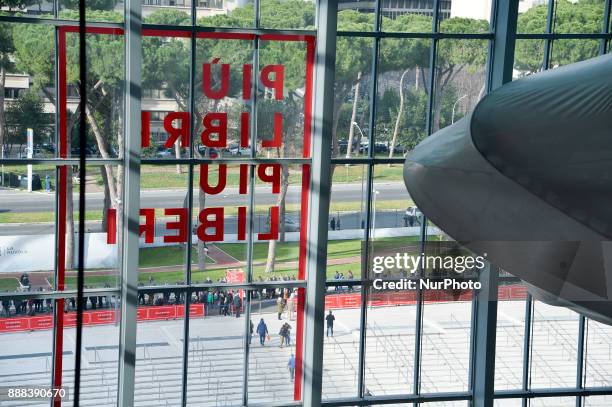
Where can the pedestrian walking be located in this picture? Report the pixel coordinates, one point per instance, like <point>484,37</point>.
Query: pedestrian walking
<point>291,366</point>
<point>330,318</point>
<point>279,307</point>
<point>237,304</point>
<point>262,330</point>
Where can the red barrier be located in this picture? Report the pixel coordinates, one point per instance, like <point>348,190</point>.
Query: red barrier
<point>332,301</point>
<point>102,317</point>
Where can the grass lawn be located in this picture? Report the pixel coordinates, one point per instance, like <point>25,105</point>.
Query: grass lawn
<point>9,284</point>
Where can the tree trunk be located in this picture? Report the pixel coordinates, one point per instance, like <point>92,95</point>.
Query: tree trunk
<point>107,199</point>
<point>416,78</point>
<point>349,147</point>
<point>2,120</point>
<point>399,115</point>
<point>70,249</point>
<point>177,154</point>
<point>113,186</point>
<point>281,200</point>
<point>201,251</point>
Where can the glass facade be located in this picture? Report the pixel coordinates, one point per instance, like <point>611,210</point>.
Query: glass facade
<point>227,209</point>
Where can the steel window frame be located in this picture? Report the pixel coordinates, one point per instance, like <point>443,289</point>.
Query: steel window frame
<point>316,256</point>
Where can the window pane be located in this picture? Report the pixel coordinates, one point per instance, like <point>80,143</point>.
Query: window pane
<point>460,80</point>
<point>270,377</point>
<point>166,93</point>
<point>171,12</point>
<point>510,337</point>
<point>287,14</point>
<point>216,351</point>
<point>103,220</point>
<point>279,221</point>
<point>554,341</point>
<point>566,52</point>
<point>390,341</point>
<point>352,97</point>
<point>598,359</point>
<point>164,224</point>
<point>410,16</point>
<point>467,16</point>
<point>552,402</point>
<point>528,57</point>
<point>393,218</point>
<point>27,227</point>
<point>341,346</point>
<point>597,401</point>
<point>29,365</point>
<point>219,13</point>
<point>105,72</point>
<point>29,93</point>
<point>97,10</point>
<point>358,16</point>
<point>401,110</point>
<point>445,345</point>
<point>225,258</point>
<point>532,16</point>
<point>219,100</point>
<point>288,101</point>
<point>159,351</point>
<point>347,222</point>
<point>100,352</point>
<point>581,16</point>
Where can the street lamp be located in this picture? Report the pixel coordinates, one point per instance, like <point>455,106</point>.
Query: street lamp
<point>362,137</point>
<point>374,215</point>
<point>454,106</point>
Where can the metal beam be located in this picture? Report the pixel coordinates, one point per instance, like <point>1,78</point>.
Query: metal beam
<point>320,191</point>
<point>131,203</point>
<point>484,332</point>
<point>504,20</point>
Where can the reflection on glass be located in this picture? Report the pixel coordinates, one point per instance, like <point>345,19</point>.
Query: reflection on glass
<point>224,259</point>
<point>278,221</point>
<point>164,225</point>
<point>165,95</point>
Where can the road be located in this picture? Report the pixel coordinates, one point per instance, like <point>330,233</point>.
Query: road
<point>348,220</point>
<point>19,201</point>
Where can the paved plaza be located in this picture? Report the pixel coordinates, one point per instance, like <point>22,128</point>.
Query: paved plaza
<point>217,352</point>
